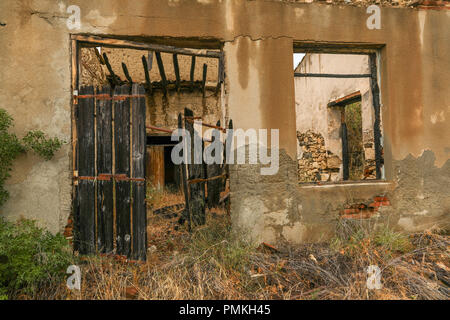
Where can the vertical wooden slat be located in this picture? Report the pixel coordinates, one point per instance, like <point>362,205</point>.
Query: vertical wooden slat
<point>226,167</point>
<point>126,73</point>
<point>161,71</point>
<point>214,186</point>
<point>86,167</point>
<point>122,163</point>
<point>147,75</point>
<point>139,138</point>
<point>105,218</point>
<point>177,70</point>
<point>205,72</point>
<point>192,72</point>
<point>184,178</point>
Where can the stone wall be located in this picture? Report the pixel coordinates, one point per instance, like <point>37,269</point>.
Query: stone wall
<point>315,162</point>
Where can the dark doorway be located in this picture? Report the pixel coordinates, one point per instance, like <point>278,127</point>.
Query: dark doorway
<point>162,172</point>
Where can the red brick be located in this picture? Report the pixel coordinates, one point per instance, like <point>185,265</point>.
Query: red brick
<point>351,211</point>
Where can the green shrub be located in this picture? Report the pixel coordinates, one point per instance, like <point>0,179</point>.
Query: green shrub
<point>392,241</point>
<point>29,256</point>
<point>11,147</point>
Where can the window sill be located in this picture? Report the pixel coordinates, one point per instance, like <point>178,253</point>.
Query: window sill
<point>344,184</point>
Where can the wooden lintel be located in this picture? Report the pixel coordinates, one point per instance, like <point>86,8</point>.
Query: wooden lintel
<point>109,42</point>
<point>353,97</point>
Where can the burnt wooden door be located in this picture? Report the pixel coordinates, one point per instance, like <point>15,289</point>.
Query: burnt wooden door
<point>109,199</point>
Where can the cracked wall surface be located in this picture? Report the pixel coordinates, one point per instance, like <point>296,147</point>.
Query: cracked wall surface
<point>258,39</point>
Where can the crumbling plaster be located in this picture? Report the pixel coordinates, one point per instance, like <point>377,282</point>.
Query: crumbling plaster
<point>258,38</point>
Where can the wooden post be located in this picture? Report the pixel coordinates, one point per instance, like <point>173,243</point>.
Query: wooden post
<point>345,155</point>
<point>214,186</point>
<point>196,190</point>
<point>184,178</point>
<point>161,71</point>
<point>226,167</point>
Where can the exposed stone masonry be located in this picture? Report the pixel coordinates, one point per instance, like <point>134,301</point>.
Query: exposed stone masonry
<point>316,163</point>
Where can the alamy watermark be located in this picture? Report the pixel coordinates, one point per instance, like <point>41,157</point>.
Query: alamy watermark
<point>236,144</point>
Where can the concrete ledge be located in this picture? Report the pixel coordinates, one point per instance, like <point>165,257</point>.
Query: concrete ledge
<point>348,185</point>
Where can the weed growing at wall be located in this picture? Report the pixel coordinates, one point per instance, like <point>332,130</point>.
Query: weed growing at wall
<point>11,146</point>
<point>30,256</point>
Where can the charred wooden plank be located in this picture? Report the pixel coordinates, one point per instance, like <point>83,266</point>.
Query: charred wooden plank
<point>184,179</point>
<point>205,71</point>
<point>86,200</point>
<point>122,164</point>
<point>345,155</point>
<point>147,75</point>
<point>195,171</point>
<point>105,205</point>
<point>228,144</point>
<point>177,71</point>
<point>192,72</point>
<point>86,167</point>
<point>113,78</point>
<point>214,170</point>
<point>110,42</point>
<point>161,71</point>
<point>127,74</point>
<point>138,164</point>
<point>331,75</point>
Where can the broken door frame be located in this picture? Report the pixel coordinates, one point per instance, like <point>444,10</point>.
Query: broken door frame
<point>373,51</point>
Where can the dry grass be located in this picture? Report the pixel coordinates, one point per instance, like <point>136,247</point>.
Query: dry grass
<point>212,263</point>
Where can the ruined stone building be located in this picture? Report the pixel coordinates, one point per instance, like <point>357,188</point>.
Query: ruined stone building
<point>401,176</point>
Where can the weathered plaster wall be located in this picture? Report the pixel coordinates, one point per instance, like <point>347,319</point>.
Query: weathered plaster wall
<point>258,39</point>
